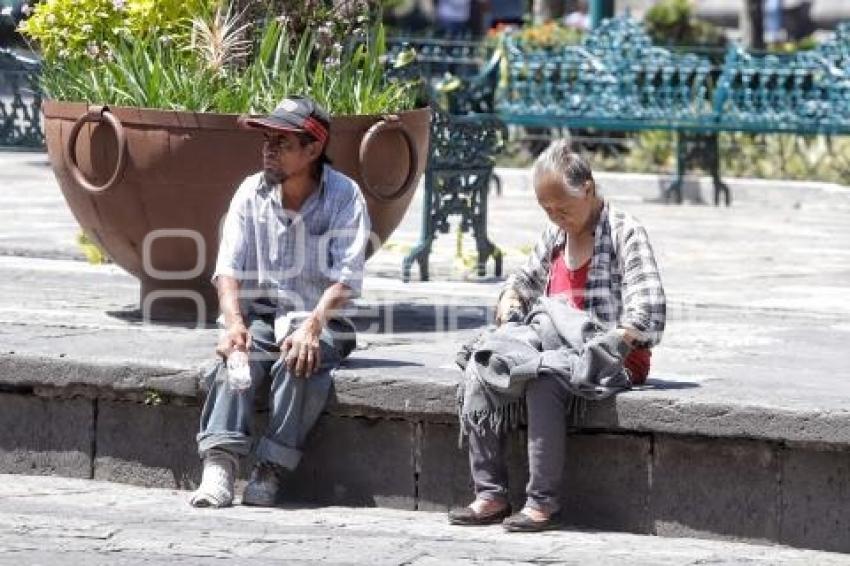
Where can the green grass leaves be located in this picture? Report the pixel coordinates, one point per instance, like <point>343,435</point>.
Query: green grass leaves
<point>220,71</point>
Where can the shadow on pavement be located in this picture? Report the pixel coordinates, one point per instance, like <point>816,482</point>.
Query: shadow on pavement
<point>666,385</point>
<point>359,362</point>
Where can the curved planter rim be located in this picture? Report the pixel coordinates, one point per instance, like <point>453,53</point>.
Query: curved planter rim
<point>139,116</point>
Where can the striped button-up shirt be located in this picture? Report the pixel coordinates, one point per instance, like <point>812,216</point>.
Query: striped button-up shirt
<point>623,285</point>
<point>285,260</point>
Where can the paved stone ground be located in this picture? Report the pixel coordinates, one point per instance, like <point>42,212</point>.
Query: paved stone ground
<point>78,522</point>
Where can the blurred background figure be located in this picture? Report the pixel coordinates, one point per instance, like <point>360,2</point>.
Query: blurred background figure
<point>774,31</point>
<point>410,15</point>
<point>579,17</point>
<point>506,13</point>
<point>453,16</point>
<point>12,12</point>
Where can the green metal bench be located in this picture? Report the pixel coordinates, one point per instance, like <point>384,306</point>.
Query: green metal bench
<point>465,137</point>
<point>460,167</point>
<point>616,80</point>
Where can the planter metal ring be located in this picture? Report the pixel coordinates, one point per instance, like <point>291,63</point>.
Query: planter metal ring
<point>96,114</point>
<point>387,123</point>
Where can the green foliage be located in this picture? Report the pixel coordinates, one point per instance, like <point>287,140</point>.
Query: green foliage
<point>153,398</point>
<point>774,156</point>
<point>546,35</point>
<point>216,69</point>
<point>72,28</point>
<point>804,44</point>
<point>655,150</point>
<point>355,84</point>
<point>141,73</point>
<point>94,254</point>
<point>819,158</point>
<point>673,22</point>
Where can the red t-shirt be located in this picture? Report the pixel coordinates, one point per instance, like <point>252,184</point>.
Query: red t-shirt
<point>572,283</point>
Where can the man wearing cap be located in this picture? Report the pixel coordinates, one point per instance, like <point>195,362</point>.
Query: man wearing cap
<point>291,255</point>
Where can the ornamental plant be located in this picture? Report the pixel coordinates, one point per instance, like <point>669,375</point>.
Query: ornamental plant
<point>673,22</point>
<point>213,57</point>
<point>69,28</point>
<point>549,34</point>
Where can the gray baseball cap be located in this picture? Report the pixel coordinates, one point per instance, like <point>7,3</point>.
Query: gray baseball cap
<point>294,114</point>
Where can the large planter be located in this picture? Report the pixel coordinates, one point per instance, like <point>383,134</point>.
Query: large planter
<point>151,186</point>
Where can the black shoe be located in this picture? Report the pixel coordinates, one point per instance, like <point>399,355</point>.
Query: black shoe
<point>467,517</point>
<point>522,523</point>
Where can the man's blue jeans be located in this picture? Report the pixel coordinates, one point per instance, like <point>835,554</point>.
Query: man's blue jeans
<point>295,403</point>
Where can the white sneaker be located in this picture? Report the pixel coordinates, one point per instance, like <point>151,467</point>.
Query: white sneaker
<point>217,482</point>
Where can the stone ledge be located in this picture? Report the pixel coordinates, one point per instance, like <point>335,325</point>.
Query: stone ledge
<point>669,485</point>
<point>423,389</point>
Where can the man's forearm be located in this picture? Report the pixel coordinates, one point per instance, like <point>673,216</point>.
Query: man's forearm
<point>228,300</point>
<point>333,299</point>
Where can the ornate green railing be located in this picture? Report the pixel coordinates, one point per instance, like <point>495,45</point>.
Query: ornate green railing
<point>20,102</point>
<point>618,81</point>
<point>807,93</point>
<point>437,56</point>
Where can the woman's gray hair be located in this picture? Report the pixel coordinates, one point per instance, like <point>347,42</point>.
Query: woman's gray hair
<point>559,160</point>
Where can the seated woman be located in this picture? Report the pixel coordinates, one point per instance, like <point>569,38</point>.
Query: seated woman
<point>594,275</point>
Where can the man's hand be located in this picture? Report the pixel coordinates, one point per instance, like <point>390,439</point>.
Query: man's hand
<point>235,337</point>
<point>302,348</point>
<point>510,301</point>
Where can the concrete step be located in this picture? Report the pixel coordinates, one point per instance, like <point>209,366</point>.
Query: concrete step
<point>83,522</point>
<point>718,444</point>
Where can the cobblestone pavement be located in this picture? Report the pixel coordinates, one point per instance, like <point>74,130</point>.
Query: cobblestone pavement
<point>48,520</point>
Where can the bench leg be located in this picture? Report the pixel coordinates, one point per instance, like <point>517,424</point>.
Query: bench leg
<point>486,248</point>
<point>719,186</point>
<point>422,250</point>
<point>419,254</point>
<point>674,191</point>
<point>495,183</point>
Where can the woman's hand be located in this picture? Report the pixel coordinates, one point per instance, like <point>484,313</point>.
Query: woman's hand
<point>510,301</point>
<point>628,335</point>
<point>302,349</point>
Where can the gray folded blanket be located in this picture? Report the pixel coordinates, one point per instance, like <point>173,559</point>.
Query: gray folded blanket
<point>554,341</point>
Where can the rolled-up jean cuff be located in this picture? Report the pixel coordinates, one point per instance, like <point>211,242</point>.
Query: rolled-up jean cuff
<point>236,443</point>
<point>279,454</point>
